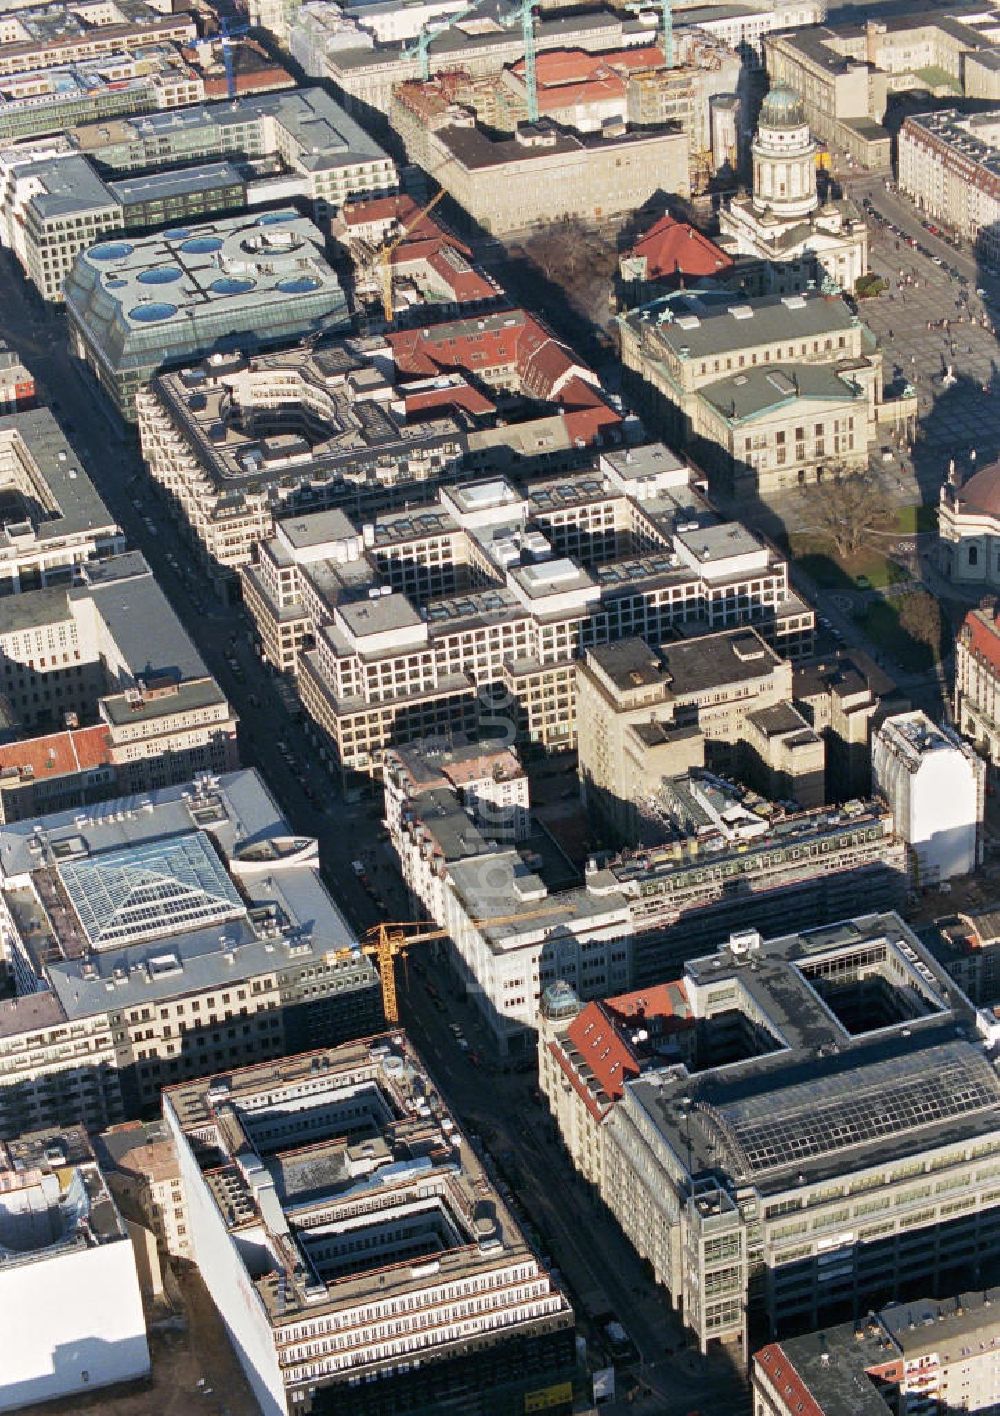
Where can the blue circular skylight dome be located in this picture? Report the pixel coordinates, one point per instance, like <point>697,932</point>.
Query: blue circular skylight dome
<point>177,233</point>
<point>298,285</point>
<point>115,283</point>
<point>155,310</point>
<point>111,251</point>
<point>229,285</point>
<point>160,275</point>
<point>202,245</point>
<point>274,218</point>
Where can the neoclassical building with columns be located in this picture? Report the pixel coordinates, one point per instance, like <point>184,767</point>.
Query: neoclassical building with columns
<point>806,245</point>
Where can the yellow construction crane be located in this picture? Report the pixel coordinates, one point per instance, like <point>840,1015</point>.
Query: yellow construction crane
<point>386,254</point>
<point>384,941</point>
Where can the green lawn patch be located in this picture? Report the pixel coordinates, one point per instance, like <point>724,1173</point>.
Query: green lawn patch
<point>911,519</point>
<point>935,77</point>
<point>868,570</point>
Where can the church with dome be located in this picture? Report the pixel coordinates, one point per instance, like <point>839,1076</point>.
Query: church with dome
<point>804,244</point>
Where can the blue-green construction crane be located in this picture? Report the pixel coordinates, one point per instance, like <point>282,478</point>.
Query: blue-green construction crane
<point>522,10</point>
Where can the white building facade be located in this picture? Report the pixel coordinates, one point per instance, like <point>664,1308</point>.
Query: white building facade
<point>934,785</point>
<point>782,222</point>
<point>69,1292</point>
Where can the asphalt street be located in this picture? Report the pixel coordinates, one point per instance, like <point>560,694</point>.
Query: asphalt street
<point>586,1245</point>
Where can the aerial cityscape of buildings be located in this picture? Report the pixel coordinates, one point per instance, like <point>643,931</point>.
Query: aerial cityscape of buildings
<point>499,707</point>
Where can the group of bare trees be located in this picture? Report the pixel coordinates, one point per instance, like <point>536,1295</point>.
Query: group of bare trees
<point>847,509</point>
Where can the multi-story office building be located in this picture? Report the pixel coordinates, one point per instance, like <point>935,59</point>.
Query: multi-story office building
<point>822,1132</point>
<point>488,777</point>
<point>769,392</point>
<point>73,1318</point>
<point>781,223</point>
<point>977,682</point>
<point>511,182</point>
<point>37,101</point>
<point>727,864</point>
<point>744,27</point>
<point>44,36</point>
<point>414,624</point>
<point>844,701</point>
<point>728,859</point>
<point>367,425</point>
<point>54,521</point>
<point>366,75</point>
<point>160,937</point>
<point>924,1354</point>
<point>722,699</point>
<point>949,164</point>
<point>509,935</point>
<point>304,133</point>
<point>935,786</point>
<point>586,92</point>
<point>355,1247</point>
<point>223,439</point>
<point>57,207</point>
<point>967,946</point>
<point>107,652</point>
<point>844,72</point>
<point>138,307</point>
<point>140,1165</point>
<point>17,383</point>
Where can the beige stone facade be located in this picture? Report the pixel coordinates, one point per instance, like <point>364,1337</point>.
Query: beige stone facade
<point>948,165</point>
<point>411,626</point>
<point>977,682</point>
<point>767,392</point>
<point>782,223</point>
<point>724,699</point>
<point>542,172</point>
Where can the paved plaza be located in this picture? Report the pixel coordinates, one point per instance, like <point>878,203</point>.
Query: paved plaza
<point>958,419</point>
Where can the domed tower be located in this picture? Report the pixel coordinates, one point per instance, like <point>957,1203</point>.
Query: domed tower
<point>784,158</point>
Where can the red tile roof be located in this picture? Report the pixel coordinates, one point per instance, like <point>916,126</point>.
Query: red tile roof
<point>512,342</point>
<point>676,248</point>
<point>574,66</point>
<point>602,1034</point>
<point>789,1386</point>
<point>448,261</point>
<point>60,754</point>
<point>587,416</point>
<point>594,1035</point>
<point>982,634</point>
<point>461,395</point>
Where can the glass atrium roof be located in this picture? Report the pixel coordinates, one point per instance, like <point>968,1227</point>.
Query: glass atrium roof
<point>134,893</point>
<point>834,1113</point>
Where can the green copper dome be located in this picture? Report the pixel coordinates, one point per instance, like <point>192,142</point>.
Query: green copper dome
<point>782,108</point>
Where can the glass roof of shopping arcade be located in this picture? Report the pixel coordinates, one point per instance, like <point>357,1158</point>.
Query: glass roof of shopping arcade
<point>831,1114</point>
<point>141,892</point>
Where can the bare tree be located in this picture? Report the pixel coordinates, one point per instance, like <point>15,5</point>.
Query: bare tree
<point>920,616</point>
<point>847,509</point>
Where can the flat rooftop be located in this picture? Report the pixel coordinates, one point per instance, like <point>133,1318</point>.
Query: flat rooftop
<point>842,1085</point>
<point>699,325</point>
<point>712,660</point>
<point>303,1140</point>
<point>226,267</point>
<point>142,898</point>
<point>74,507</point>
